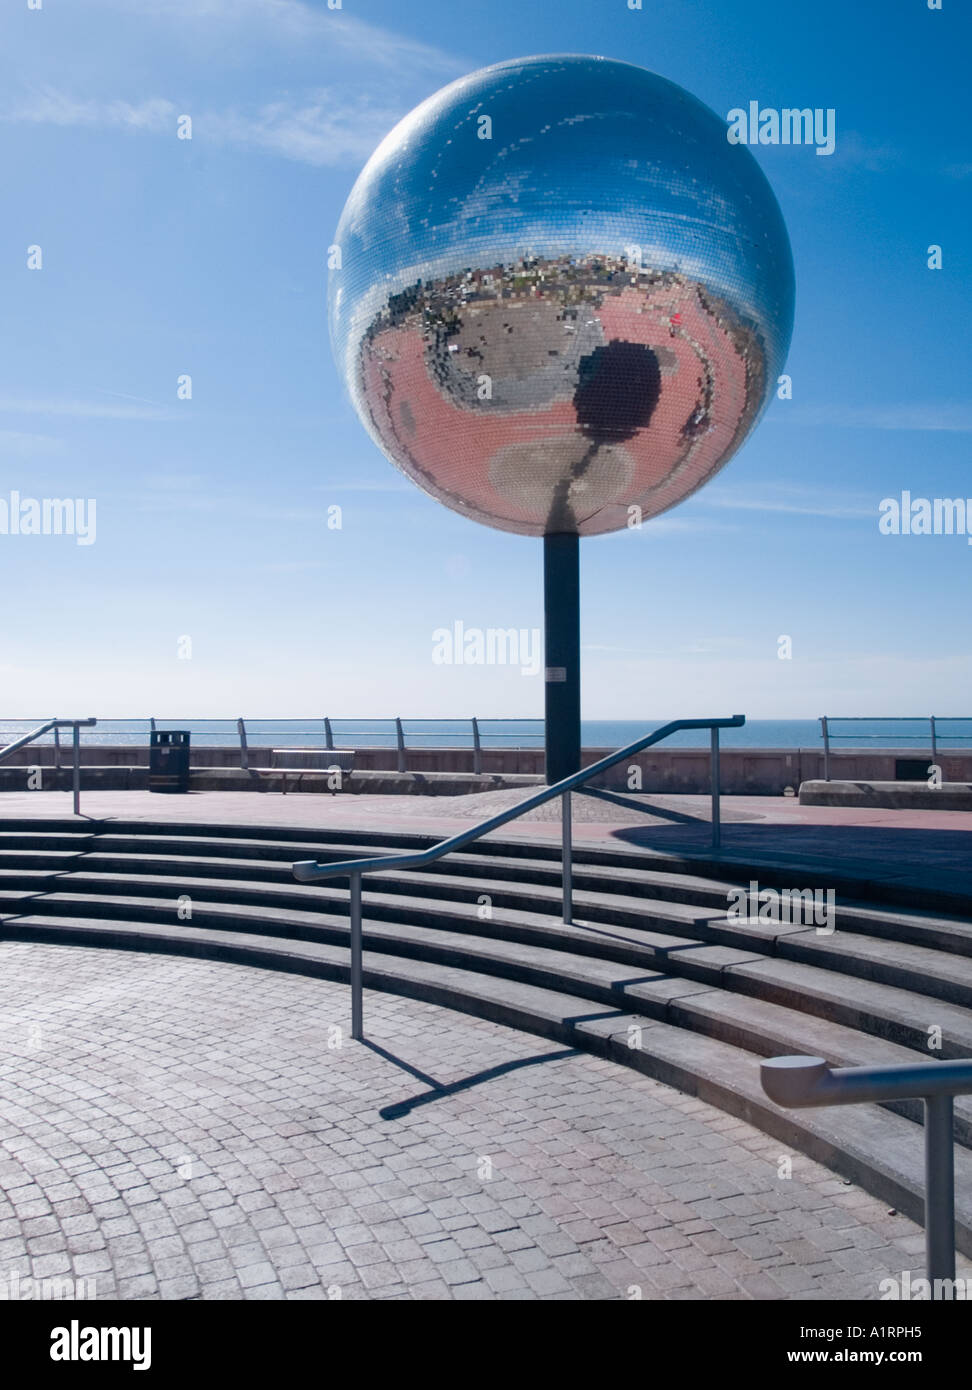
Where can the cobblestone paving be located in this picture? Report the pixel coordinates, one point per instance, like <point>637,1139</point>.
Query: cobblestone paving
<point>180,1129</point>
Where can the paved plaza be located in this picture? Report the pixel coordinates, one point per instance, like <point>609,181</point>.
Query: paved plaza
<point>183,1129</point>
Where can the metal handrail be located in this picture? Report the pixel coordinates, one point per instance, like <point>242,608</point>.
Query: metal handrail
<point>932,720</point>
<point>798,1082</point>
<point>77,725</point>
<point>309,871</point>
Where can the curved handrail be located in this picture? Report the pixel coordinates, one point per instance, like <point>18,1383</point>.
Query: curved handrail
<point>309,871</point>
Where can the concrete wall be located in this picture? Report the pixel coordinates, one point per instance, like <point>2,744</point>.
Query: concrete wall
<point>752,771</point>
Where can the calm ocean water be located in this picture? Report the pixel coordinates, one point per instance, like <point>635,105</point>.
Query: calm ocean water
<point>512,733</point>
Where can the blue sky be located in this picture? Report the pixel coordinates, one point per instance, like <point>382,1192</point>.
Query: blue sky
<point>164,256</point>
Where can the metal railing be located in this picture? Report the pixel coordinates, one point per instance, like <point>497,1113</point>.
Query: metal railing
<point>398,736</point>
<point>56,725</point>
<point>797,1082</point>
<point>309,871</point>
<point>468,732</point>
<point>932,720</point>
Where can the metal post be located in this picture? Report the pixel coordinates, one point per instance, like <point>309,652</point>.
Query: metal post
<point>57,755</point>
<point>825,730</point>
<point>152,724</point>
<point>357,1027</point>
<point>939,1191</point>
<point>244,750</point>
<point>567,859</point>
<point>716,790</point>
<point>934,739</point>
<point>328,735</point>
<point>477,748</point>
<point>561,615</point>
<point>400,738</point>
<point>76,780</point>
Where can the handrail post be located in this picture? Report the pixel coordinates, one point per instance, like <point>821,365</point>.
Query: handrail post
<point>567,859</point>
<point>934,739</point>
<point>328,735</point>
<point>939,1191</point>
<point>244,749</point>
<point>357,1029</point>
<point>57,755</point>
<point>716,791</point>
<point>477,748</point>
<point>76,778</point>
<point>825,730</point>
<point>400,739</point>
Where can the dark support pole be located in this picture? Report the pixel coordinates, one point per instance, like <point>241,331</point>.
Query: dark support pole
<point>561,609</point>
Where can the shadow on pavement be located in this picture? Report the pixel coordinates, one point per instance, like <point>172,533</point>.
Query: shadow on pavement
<point>933,860</point>
<point>439,1091</point>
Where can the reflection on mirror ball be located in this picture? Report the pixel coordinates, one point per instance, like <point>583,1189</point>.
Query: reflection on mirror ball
<point>562,294</point>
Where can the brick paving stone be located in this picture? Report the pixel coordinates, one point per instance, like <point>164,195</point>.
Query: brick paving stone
<point>603,1180</point>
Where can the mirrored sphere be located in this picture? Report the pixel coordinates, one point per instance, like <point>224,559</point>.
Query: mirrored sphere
<point>562,295</point>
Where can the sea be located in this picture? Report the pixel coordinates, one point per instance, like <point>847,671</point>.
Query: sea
<point>514,733</point>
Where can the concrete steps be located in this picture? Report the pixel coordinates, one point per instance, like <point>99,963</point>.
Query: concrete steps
<point>773,869</point>
<point>651,949</point>
<point>271,862</point>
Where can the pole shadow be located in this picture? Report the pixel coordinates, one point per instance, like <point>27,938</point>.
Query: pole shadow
<point>439,1091</point>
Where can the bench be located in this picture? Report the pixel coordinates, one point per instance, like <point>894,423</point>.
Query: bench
<point>296,761</point>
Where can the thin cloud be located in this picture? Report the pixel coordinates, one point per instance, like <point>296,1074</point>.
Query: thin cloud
<point>124,396</point>
<point>327,129</point>
<point>808,508</point>
<point>391,486</point>
<point>48,106</point>
<point>859,152</point>
<point>83,409</point>
<point>952,417</point>
<point>293,25</point>
<point>23,445</point>
<point>175,482</point>
<point>290,566</point>
<point>229,504</point>
<point>322,131</point>
<point>676,525</point>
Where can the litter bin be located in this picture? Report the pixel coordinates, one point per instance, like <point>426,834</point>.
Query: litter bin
<point>169,760</point>
<point>912,769</point>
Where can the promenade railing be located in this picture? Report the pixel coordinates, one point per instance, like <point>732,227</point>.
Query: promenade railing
<point>323,731</point>
<point>309,871</point>
<point>473,733</point>
<point>930,726</point>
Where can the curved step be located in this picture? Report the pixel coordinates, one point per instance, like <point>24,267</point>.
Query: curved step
<point>771,869</point>
<point>520,878</point>
<point>663,936</point>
